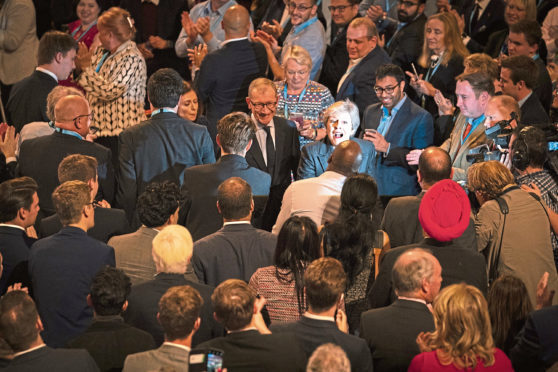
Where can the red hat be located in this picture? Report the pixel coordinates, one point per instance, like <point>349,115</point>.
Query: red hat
<point>445,211</point>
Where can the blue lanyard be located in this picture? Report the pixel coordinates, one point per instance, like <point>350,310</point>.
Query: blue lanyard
<point>474,124</point>
<point>431,71</point>
<point>158,111</point>
<point>103,58</point>
<point>297,30</point>
<point>300,97</point>
<point>86,31</point>
<point>69,132</point>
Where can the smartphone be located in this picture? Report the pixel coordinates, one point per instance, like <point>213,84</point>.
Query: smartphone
<point>205,360</point>
<point>298,118</point>
<point>370,130</point>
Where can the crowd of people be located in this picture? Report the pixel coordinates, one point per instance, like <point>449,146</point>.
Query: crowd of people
<point>280,185</point>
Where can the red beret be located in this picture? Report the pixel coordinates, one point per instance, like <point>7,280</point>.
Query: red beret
<point>445,211</point>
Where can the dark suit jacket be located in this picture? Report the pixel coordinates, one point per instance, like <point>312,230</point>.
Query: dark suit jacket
<point>48,359</point>
<point>405,46</point>
<point>287,155</point>
<point>312,333</point>
<point>459,264</point>
<point>314,157</point>
<point>391,333</point>
<point>336,58</point>
<point>27,101</point>
<point>235,251</point>
<point>14,247</point>
<point>157,150</point>
<point>108,223</point>
<point>201,182</point>
<point>143,305</point>
<point>252,351</point>
<point>7,170</point>
<point>490,21</point>
<point>495,41</point>
<point>533,113</point>
<point>543,89</point>
<point>403,227</point>
<point>109,341</point>
<point>222,85</point>
<point>168,27</point>
<point>359,85</point>
<point>536,347</point>
<point>411,128</point>
<point>39,159</point>
<point>62,267</point>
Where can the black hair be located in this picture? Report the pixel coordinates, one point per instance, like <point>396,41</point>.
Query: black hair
<point>109,290</point>
<point>158,202</point>
<point>164,88</point>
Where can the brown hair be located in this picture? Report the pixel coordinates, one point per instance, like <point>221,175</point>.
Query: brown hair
<point>490,178</point>
<point>452,40</point>
<point>119,22</point>
<point>18,320</point>
<point>179,308</point>
<point>481,62</point>
<point>324,281</point>
<point>77,167</point>
<point>233,303</point>
<point>69,199</point>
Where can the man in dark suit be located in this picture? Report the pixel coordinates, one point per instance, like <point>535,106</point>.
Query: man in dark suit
<point>73,118</point>
<point>324,284</point>
<point>482,19</point>
<point>157,27</point>
<point>235,137</point>
<point>19,206</point>
<point>391,331</point>
<point>518,80</point>
<point>401,221</point>
<point>161,148</point>
<point>357,84</point>
<point>108,339</point>
<point>238,249</point>
<point>172,251</point>
<point>276,149</point>
<point>223,85</point>
<point>21,327</point>
<point>444,214</point>
<point>336,59</point>
<point>27,101</point>
<point>179,316</point>
<point>62,266</point>
<point>395,126</point>
<point>523,40</point>
<point>108,221</point>
<point>248,345</point>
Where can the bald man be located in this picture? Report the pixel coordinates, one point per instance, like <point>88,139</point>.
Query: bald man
<point>319,197</point>
<point>39,157</point>
<point>226,73</point>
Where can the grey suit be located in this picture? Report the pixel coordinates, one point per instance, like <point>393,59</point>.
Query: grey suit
<point>166,355</point>
<point>133,254</point>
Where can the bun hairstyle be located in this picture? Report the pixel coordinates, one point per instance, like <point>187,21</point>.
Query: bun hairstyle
<point>119,22</point>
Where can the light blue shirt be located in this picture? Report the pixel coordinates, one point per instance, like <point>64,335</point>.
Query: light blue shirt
<point>387,119</point>
<point>312,38</point>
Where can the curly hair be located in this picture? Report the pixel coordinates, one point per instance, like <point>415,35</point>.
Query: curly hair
<point>158,202</point>
<point>490,178</point>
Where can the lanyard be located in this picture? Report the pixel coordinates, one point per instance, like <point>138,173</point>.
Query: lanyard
<point>158,111</point>
<point>69,132</point>
<point>84,32</point>
<point>297,30</point>
<point>431,71</point>
<point>300,97</point>
<point>103,58</point>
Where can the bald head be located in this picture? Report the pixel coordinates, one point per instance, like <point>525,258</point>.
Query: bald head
<point>434,166</point>
<point>346,158</point>
<point>234,199</point>
<point>236,22</point>
<point>416,274</point>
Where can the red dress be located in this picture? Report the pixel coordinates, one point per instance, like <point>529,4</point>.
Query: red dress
<point>428,361</point>
<point>86,36</point>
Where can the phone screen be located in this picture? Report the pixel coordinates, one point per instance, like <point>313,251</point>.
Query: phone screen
<point>214,362</point>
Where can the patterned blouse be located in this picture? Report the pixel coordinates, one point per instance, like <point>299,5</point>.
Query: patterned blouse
<point>115,88</point>
<point>315,100</point>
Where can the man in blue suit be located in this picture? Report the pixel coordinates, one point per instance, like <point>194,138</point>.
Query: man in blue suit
<point>395,126</point>
<point>234,136</point>
<point>63,265</point>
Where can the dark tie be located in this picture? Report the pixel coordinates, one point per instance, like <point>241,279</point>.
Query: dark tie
<point>270,150</point>
<point>474,18</point>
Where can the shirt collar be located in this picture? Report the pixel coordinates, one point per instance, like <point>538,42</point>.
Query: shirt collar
<point>475,122</point>
<point>412,299</point>
<point>319,317</point>
<point>13,226</point>
<point>521,102</point>
<point>29,350</point>
<point>396,107</point>
<point>177,345</point>
<point>482,4</point>
<point>221,9</point>
<point>48,72</point>
<point>233,40</point>
<point>236,223</point>
<point>261,126</point>
<point>155,2</point>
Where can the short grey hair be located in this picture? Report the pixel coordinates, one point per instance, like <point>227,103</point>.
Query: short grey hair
<point>328,358</point>
<point>407,274</point>
<point>345,106</point>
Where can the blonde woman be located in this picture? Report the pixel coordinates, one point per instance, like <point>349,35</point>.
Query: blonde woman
<point>462,340</point>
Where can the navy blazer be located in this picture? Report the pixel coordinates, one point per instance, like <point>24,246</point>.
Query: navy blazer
<point>48,359</point>
<point>490,21</point>
<point>14,247</point>
<point>314,157</point>
<point>62,267</point>
<point>532,112</point>
<point>201,216</point>
<point>410,129</point>
<point>359,85</point>
<point>156,150</point>
<point>405,46</point>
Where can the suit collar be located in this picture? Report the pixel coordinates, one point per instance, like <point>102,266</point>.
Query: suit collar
<point>361,64</point>
<point>237,227</point>
<point>233,158</point>
<point>71,230</point>
<point>149,231</point>
<point>317,323</point>
<point>409,304</point>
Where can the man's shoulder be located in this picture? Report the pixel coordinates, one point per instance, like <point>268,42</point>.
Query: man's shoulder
<point>163,122</point>
<point>283,124</point>
<point>402,202</point>
<point>36,80</point>
<point>46,357</point>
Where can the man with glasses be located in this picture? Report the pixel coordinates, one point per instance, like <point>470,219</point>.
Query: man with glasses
<point>39,157</point>
<point>395,126</point>
<point>336,58</point>
<point>275,147</point>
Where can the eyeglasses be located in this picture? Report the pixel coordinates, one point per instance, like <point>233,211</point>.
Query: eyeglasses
<point>408,4</point>
<point>302,8</point>
<point>340,8</point>
<point>93,129</point>
<point>388,90</point>
<point>259,106</point>
<point>90,115</point>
